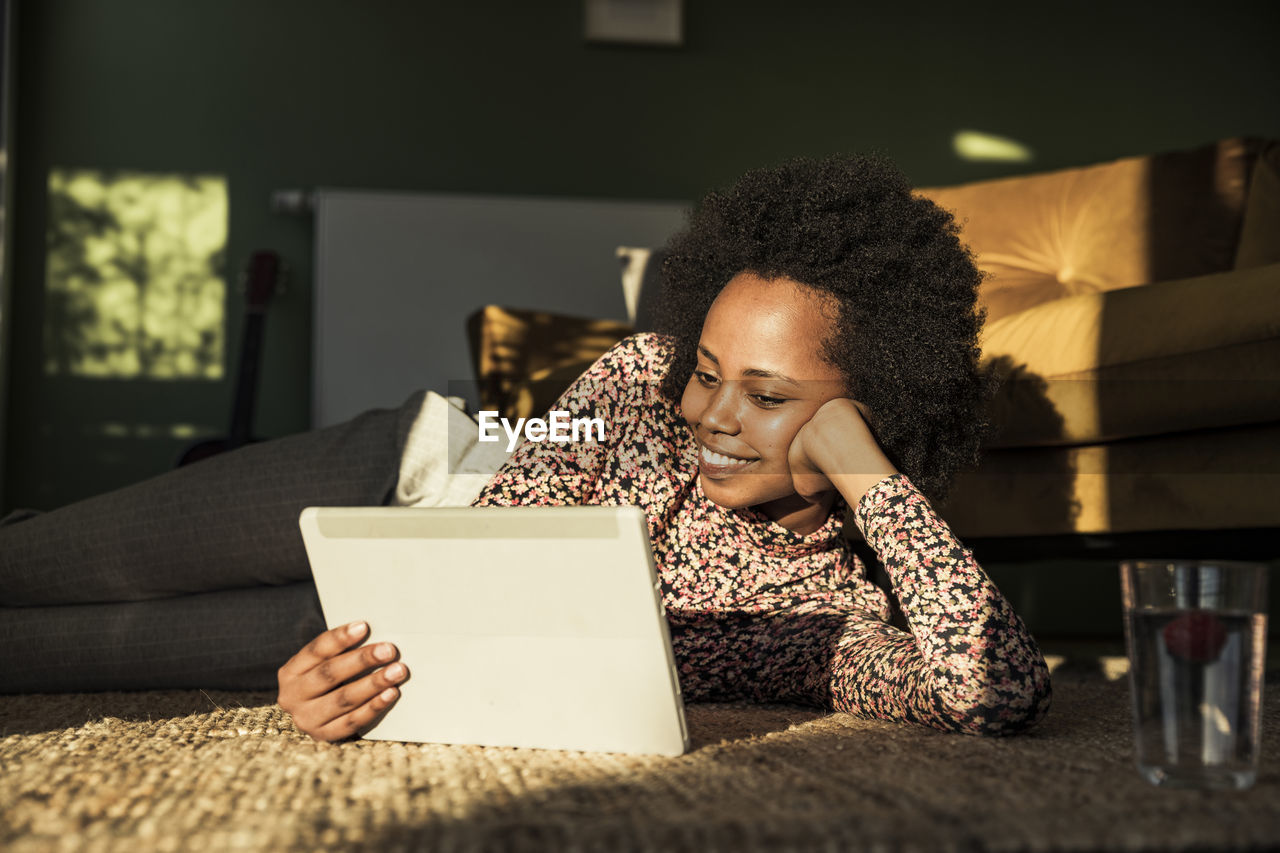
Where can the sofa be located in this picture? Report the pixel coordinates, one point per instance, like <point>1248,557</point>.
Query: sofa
<point>1133,314</point>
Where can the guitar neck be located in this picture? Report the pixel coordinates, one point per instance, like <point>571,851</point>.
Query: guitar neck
<point>241,427</point>
<point>261,278</point>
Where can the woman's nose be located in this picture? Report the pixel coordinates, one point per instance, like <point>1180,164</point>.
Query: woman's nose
<point>721,414</point>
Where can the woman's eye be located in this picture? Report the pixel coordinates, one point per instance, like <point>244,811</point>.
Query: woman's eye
<point>707,379</point>
<point>767,402</point>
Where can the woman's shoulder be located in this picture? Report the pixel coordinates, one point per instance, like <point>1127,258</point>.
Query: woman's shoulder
<point>642,356</point>
<point>647,346</point>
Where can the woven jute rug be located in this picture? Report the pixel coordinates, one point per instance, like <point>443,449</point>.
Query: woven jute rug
<point>196,771</point>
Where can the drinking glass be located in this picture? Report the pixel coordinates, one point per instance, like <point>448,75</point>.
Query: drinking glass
<point>1196,634</point>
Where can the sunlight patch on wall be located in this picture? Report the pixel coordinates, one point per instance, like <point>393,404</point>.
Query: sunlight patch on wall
<point>134,280</point>
<point>987,147</point>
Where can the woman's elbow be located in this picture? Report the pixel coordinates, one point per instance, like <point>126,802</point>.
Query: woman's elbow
<point>1003,706</point>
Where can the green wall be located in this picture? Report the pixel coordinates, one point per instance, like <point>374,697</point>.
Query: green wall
<point>505,97</point>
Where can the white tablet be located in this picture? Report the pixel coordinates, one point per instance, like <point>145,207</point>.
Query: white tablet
<point>520,626</point>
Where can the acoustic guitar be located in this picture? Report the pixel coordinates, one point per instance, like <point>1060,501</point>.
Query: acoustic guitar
<point>261,277</point>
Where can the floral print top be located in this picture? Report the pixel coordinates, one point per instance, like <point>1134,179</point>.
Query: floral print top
<point>759,612</point>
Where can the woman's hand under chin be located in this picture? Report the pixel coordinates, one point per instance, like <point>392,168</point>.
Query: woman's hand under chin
<point>835,450</point>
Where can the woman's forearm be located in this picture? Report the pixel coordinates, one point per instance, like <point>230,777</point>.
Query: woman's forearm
<point>969,656</point>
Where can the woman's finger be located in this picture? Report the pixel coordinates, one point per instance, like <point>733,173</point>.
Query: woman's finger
<point>330,674</point>
<point>353,721</point>
<point>314,714</point>
<point>325,646</point>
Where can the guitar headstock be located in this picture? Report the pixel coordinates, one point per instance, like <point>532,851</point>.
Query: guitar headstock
<point>261,278</point>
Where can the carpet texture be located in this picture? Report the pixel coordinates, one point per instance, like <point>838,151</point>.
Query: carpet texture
<point>196,771</point>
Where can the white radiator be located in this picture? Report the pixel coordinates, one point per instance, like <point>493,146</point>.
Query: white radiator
<point>397,274</point>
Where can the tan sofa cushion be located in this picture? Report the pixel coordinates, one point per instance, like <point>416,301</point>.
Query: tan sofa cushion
<point>1132,221</point>
<point>1196,353</point>
<point>1260,232</point>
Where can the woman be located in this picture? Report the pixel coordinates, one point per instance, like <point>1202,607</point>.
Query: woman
<point>805,306</point>
<point>819,351</point>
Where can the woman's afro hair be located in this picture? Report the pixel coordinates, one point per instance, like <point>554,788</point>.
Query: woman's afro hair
<point>906,335</point>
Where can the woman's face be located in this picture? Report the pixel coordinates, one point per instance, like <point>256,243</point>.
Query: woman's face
<point>760,377</point>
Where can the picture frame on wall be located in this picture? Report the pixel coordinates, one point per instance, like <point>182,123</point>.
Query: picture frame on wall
<point>657,23</point>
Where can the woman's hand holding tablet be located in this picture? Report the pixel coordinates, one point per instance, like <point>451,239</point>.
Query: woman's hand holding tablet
<point>334,688</point>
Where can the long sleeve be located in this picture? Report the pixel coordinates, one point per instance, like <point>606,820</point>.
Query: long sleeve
<point>968,663</point>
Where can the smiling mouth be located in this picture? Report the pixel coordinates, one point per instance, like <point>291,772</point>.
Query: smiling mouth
<point>718,463</point>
